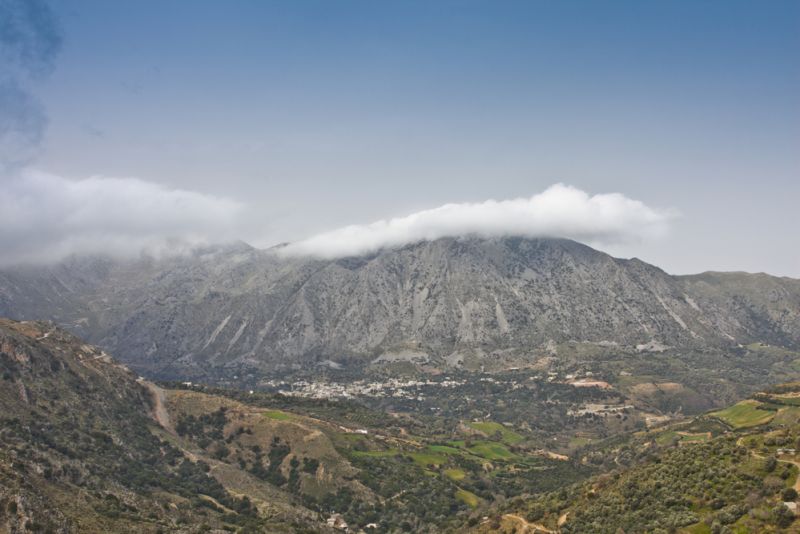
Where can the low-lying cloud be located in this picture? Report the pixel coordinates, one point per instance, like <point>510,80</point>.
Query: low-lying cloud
<point>45,218</point>
<point>559,211</point>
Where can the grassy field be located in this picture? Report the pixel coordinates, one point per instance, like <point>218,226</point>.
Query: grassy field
<point>425,459</point>
<point>444,449</point>
<point>786,399</point>
<point>693,438</point>
<point>278,415</point>
<point>491,450</point>
<point>488,450</point>
<point>579,442</point>
<point>468,498</point>
<point>377,454</point>
<point>665,437</point>
<point>787,416</point>
<point>490,428</point>
<point>455,474</point>
<point>699,528</point>
<point>744,415</point>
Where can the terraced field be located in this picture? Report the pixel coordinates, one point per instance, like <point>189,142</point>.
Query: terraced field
<point>744,415</point>
<point>491,429</point>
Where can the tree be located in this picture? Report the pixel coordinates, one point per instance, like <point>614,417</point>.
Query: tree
<point>770,464</point>
<point>782,516</point>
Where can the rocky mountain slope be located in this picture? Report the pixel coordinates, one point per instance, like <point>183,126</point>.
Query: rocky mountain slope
<point>448,302</point>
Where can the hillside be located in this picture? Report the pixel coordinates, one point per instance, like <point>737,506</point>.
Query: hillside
<point>466,302</point>
<point>87,446</point>
<point>81,451</point>
<point>733,470</point>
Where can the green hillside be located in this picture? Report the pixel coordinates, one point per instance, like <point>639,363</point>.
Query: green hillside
<point>81,451</point>
<point>729,471</point>
<point>174,458</point>
<point>87,446</point>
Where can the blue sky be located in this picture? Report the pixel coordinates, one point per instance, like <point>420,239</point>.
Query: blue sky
<point>321,114</point>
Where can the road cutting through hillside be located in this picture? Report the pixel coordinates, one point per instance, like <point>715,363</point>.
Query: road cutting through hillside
<point>528,527</point>
<point>160,413</point>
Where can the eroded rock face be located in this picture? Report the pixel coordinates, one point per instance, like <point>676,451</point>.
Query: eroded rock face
<point>232,305</point>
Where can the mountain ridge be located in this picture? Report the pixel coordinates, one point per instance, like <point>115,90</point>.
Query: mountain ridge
<point>450,300</point>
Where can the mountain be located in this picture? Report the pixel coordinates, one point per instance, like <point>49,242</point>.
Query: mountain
<point>452,302</point>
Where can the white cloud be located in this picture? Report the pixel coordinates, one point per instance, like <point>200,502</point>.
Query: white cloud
<point>559,211</point>
<point>44,217</point>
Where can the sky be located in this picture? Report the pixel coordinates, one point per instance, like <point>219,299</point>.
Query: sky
<point>340,125</point>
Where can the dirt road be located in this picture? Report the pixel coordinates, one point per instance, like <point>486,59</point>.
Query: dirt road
<point>160,413</point>
<point>527,527</point>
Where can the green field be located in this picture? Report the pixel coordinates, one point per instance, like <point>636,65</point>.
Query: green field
<point>666,437</point>
<point>425,459</point>
<point>699,528</point>
<point>787,416</point>
<point>444,449</point>
<point>579,442</point>
<point>468,498</point>
<point>455,474</point>
<point>377,454</point>
<point>744,414</point>
<point>491,428</point>
<point>488,450</point>
<point>786,399</point>
<point>694,437</point>
<point>278,415</point>
<point>491,450</point>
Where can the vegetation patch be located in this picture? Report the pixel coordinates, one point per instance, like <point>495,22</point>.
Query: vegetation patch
<point>455,474</point>
<point>492,429</point>
<point>491,450</point>
<point>377,454</point>
<point>444,449</point>
<point>694,438</point>
<point>468,498</point>
<point>744,415</point>
<point>425,459</point>
<point>578,442</point>
<point>278,415</point>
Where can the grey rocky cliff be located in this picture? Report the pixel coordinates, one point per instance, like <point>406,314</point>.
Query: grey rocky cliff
<point>442,300</point>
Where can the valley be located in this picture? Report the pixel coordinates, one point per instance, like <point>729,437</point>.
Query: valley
<point>502,451</point>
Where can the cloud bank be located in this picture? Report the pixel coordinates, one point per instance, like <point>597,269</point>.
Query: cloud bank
<point>559,211</point>
<point>45,218</point>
